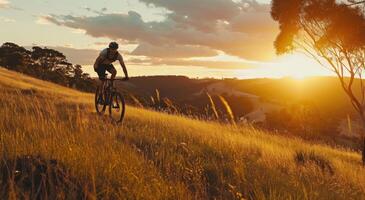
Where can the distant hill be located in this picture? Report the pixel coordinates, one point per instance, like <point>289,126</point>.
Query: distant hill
<point>324,92</point>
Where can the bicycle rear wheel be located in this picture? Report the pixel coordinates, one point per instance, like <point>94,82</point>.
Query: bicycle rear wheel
<point>100,103</point>
<point>117,107</point>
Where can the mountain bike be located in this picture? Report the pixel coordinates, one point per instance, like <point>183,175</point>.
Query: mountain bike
<point>107,95</point>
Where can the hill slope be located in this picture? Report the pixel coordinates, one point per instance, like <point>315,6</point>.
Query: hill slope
<point>76,153</point>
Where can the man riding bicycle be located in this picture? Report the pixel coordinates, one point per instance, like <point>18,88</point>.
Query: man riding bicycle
<point>105,59</point>
<point>106,94</point>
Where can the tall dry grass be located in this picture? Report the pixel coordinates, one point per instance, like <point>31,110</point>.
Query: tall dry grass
<point>68,133</point>
<point>213,107</point>
<point>156,156</point>
<point>228,110</point>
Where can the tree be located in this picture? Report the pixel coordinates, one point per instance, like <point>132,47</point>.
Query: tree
<point>47,64</point>
<point>330,32</point>
<point>81,80</point>
<point>53,64</point>
<point>14,57</point>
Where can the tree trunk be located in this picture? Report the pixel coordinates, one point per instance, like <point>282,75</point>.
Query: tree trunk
<point>363,139</point>
<point>363,151</point>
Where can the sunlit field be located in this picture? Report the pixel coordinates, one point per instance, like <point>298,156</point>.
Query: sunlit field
<point>54,145</point>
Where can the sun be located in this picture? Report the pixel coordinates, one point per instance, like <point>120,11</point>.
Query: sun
<point>299,76</point>
<point>299,66</point>
<point>296,66</point>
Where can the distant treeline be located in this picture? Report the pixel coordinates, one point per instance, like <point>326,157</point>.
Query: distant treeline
<point>46,64</point>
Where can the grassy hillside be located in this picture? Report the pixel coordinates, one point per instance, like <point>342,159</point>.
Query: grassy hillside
<point>53,144</point>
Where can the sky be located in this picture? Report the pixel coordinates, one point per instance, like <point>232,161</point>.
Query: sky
<point>195,38</point>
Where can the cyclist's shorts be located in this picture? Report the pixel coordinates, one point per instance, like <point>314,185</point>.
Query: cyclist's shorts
<point>102,69</point>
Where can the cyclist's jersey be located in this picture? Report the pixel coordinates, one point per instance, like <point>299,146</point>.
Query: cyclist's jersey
<point>109,59</point>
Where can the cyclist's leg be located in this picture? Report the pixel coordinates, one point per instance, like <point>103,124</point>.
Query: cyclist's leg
<point>104,91</point>
<point>103,84</point>
<point>110,68</point>
<point>101,74</point>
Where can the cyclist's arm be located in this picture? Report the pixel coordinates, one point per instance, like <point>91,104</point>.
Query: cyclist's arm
<point>121,61</point>
<point>97,61</point>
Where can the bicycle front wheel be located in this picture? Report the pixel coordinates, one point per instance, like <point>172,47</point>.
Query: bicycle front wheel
<point>117,107</point>
<point>100,103</point>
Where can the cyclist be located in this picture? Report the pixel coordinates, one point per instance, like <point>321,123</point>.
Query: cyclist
<point>105,59</point>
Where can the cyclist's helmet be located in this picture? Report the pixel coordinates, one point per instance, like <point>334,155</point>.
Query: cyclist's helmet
<point>114,45</point>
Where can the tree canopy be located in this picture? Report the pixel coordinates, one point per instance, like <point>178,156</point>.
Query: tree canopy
<point>323,24</point>
<point>44,63</point>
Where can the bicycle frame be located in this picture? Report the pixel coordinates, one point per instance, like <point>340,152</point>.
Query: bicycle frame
<point>109,86</point>
<point>108,92</point>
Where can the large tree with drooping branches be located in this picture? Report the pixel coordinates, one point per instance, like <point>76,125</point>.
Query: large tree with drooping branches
<point>332,33</point>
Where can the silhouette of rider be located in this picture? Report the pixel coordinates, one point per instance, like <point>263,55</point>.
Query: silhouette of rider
<point>105,59</point>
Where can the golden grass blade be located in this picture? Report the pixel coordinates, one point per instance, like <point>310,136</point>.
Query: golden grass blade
<point>228,109</point>
<point>212,104</point>
<point>136,101</point>
<point>158,98</point>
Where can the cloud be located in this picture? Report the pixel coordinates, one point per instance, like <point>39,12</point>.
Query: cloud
<point>78,56</point>
<point>173,51</point>
<point>203,63</point>
<point>78,31</point>
<point>254,21</point>
<point>201,14</point>
<point>44,20</point>
<point>214,64</point>
<point>101,11</point>
<point>7,20</point>
<point>240,28</point>
<point>4,4</point>
<point>101,43</point>
<point>115,26</point>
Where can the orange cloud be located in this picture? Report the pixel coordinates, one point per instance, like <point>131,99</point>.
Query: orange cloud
<point>189,62</point>
<point>4,4</point>
<point>201,27</point>
<point>173,51</point>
